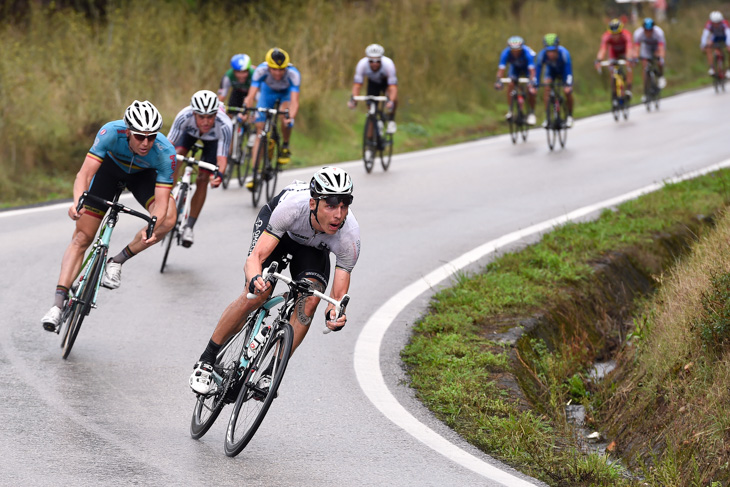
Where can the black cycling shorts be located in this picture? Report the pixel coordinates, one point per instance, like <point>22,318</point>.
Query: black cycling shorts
<point>106,182</point>
<point>210,149</point>
<point>306,262</point>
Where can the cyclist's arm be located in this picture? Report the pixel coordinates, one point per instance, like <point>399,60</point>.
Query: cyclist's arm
<point>340,286</point>
<point>392,93</point>
<point>706,37</point>
<point>248,102</point>
<point>224,88</point>
<point>294,105</point>
<point>602,50</point>
<point>254,263</point>
<point>83,180</point>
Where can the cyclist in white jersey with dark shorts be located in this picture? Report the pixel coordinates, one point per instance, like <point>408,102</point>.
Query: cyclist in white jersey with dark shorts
<point>308,222</point>
<point>206,121</point>
<point>650,43</point>
<point>380,72</point>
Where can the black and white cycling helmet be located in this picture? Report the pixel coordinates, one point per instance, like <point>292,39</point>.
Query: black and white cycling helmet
<point>330,181</point>
<point>142,116</point>
<point>205,102</point>
<point>374,51</point>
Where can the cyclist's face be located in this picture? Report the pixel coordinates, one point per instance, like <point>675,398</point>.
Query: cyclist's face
<point>515,52</point>
<point>241,76</point>
<point>330,216</point>
<point>648,32</point>
<point>552,55</point>
<point>277,74</point>
<point>375,63</point>
<point>141,142</point>
<point>204,122</point>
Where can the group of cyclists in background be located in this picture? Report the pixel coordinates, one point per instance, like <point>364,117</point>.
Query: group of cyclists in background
<point>306,221</point>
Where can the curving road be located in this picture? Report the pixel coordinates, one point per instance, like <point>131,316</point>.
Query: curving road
<point>117,411</point>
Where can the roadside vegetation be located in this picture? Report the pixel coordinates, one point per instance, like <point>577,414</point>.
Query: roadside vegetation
<point>663,408</point>
<point>63,73</point>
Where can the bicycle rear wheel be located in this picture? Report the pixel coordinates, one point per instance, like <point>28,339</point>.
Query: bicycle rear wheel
<point>550,124</point>
<point>259,170</point>
<point>82,307</point>
<point>563,127</point>
<point>252,403</point>
<point>513,129</point>
<point>246,158</point>
<point>272,171</point>
<point>207,408</point>
<point>369,144</point>
<point>174,234</point>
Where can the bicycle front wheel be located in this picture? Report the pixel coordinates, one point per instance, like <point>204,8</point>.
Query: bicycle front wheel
<point>513,129</point>
<point>82,307</point>
<point>259,170</point>
<point>245,166</point>
<point>563,127</point>
<point>253,402</point>
<point>272,172</point>
<point>387,153</point>
<point>207,408</point>
<point>180,195</point>
<point>369,144</point>
<point>550,124</point>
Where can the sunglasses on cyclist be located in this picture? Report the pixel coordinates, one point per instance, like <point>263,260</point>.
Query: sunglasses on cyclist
<point>374,61</point>
<point>139,136</point>
<point>335,200</point>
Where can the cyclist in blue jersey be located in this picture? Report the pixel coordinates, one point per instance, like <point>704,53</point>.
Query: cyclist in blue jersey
<point>277,80</point>
<point>556,59</point>
<point>521,60</point>
<point>129,151</point>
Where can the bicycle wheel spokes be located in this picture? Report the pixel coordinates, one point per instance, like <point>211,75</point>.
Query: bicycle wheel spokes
<point>82,307</point>
<point>258,170</point>
<point>369,143</point>
<point>253,402</point>
<point>512,124</point>
<point>181,194</point>
<point>387,153</point>
<point>207,408</point>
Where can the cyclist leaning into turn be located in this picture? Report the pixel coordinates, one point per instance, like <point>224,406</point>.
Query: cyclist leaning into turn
<point>521,60</point>
<point>380,72</point>
<point>129,151</point>
<point>650,43</point>
<point>202,120</point>
<point>277,80</point>
<point>616,41</point>
<point>556,59</point>
<point>306,221</point>
<point>716,32</point>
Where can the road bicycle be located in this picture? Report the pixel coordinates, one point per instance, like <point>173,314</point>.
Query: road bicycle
<point>652,90</point>
<point>517,100</point>
<point>83,293</point>
<point>183,193</point>
<point>556,115</point>
<point>261,349</point>
<point>619,101</point>
<point>239,159</point>
<point>718,64</point>
<point>266,168</point>
<point>376,140</point>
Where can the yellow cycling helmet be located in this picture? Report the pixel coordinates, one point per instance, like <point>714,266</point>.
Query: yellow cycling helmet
<point>615,26</point>
<point>277,58</point>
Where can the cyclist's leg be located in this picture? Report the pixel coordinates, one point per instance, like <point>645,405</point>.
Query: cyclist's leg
<point>312,264</point>
<point>710,52</point>
<point>210,148</point>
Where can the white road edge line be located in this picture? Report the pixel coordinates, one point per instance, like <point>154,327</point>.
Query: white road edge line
<point>367,348</point>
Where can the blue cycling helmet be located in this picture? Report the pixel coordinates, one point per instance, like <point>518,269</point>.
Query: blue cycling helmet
<point>648,23</point>
<point>241,62</point>
<point>515,42</point>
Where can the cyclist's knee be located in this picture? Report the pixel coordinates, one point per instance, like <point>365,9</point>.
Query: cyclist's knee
<point>82,238</point>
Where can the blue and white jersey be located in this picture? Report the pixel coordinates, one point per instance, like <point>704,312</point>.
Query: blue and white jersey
<point>111,140</point>
<point>289,82</point>
<point>562,66</point>
<point>524,61</point>
<point>222,130</point>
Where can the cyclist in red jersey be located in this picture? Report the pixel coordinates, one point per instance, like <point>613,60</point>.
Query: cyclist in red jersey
<point>617,42</point>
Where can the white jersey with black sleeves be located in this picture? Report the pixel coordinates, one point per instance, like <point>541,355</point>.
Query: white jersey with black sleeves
<point>291,215</point>
<point>385,73</point>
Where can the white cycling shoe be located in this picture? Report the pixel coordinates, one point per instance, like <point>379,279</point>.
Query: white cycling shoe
<point>201,378</point>
<point>112,277</point>
<point>52,320</point>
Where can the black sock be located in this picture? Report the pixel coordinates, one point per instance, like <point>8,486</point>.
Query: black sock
<point>190,222</point>
<point>211,352</point>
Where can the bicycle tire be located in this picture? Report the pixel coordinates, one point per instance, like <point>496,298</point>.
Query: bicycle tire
<point>259,169</point>
<point>550,123</point>
<point>246,157</point>
<point>512,124</point>
<point>249,409</point>
<point>387,153</point>
<point>227,364</point>
<point>83,305</point>
<point>174,233</point>
<point>272,170</point>
<point>369,143</point>
<point>563,127</point>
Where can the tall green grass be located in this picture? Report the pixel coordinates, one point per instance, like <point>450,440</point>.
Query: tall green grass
<point>63,75</point>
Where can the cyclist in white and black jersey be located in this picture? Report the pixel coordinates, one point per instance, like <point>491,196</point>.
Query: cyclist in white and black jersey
<point>650,43</point>
<point>203,120</point>
<point>380,72</point>
<point>306,221</point>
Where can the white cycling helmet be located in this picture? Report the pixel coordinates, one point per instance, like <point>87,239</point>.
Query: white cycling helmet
<point>330,181</point>
<point>204,102</point>
<point>716,16</point>
<point>142,116</point>
<point>374,50</point>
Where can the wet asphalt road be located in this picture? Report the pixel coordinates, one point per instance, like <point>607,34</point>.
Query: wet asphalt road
<point>117,411</point>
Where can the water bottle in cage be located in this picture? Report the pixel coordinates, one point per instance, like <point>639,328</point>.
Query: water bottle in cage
<point>253,349</point>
